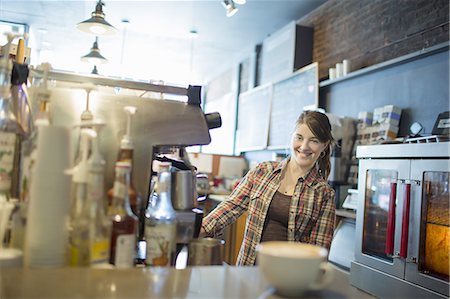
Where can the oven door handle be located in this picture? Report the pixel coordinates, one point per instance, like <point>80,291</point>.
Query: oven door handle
<point>390,232</point>
<point>405,221</point>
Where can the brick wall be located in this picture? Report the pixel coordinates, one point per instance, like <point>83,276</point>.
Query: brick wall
<point>372,31</point>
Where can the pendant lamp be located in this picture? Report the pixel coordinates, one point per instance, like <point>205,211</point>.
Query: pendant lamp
<point>97,24</point>
<point>94,56</point>
<point>94,70</point>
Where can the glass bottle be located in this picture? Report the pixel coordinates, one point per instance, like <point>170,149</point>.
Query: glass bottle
<point>160,223</point>
<point>79,251</point>
<point>124,222</point>
<point>100,224</point>
<point>126,155</point>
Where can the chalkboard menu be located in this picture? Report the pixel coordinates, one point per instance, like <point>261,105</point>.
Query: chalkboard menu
<point>290,97</point>
<point>253,118</point>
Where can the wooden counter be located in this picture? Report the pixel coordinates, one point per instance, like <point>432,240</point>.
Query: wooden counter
<point>195,282</point>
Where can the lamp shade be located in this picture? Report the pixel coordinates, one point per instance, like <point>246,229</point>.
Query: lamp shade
<point>94,56</point>
<point>97,24</point>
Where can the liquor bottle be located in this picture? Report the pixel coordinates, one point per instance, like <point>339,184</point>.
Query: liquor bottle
<point>78,246</point>
<point>160,222</point>
<point>124,222</point>
<point>126,155</point>
<point>100,224</point>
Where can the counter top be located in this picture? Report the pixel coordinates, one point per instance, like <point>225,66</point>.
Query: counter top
<point>193,282</point>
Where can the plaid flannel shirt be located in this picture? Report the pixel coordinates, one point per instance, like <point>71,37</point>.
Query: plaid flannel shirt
<point>311,211</point>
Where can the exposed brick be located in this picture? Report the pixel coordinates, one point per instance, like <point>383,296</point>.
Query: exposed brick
<point>372,31</point>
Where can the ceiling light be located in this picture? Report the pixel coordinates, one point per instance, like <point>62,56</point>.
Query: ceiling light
<point>97,24</point>
<point>240,2</point>
<point>94,70</point>
<point>193,33</point>
<point>94,56</point>
<point>230,7</point>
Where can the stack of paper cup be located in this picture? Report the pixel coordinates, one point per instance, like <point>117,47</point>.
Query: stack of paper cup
<point>345,66</point>
<point>339,70</point>
<point>331,73</point>
<point>48,212</point>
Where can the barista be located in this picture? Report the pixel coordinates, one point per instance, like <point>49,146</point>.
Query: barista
<point>288,200</point>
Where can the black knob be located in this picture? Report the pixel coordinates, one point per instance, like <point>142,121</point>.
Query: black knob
<point>213,120</point>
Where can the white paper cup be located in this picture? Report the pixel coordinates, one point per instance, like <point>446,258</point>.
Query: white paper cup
<point>332,73</point>
<point>345,66</point>
<point>339,70</point>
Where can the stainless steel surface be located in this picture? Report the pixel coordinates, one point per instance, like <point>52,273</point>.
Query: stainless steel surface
<point>412,273</point>
<point>342,250</point>
<point>207,251</point>
<point>160,282</point>
<point>185,226</point>
<point>395,267</point>
<point>383,285</point>
<point>418,150</point>
<point>107,81</point>
<point>402,276</point>
<point>184,191</point>
<point>156,122</point>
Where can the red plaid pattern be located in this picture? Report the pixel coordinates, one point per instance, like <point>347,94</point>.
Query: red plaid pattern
<point>311,212</point>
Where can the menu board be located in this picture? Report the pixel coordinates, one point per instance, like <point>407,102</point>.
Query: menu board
<point>291,96</point>
<point>253,119</point>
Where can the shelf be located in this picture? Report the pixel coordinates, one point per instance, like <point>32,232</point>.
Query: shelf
<point>346,213</point>
<point>390,63</point>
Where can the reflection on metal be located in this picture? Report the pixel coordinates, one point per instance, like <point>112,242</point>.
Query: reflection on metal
<point>157,123</point>
<point>109,81</point>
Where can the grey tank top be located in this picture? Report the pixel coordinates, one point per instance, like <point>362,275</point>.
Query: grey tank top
<point>275,225</point>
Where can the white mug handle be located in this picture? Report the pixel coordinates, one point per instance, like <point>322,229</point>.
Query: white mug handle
<point>325,278</point>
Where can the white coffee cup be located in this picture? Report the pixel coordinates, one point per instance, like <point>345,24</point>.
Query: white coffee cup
<point>293,268</point>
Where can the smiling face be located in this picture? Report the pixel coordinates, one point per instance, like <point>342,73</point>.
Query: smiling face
<point>305,147</point>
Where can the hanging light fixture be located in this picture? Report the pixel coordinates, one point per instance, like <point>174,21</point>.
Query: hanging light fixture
<point>230,7</point>
<point>94,56</point>
<point>94,70</point>
<point>97,24</point>
<point>240,2</point>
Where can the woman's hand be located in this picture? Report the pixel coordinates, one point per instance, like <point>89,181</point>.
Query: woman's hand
<point>202,233</point>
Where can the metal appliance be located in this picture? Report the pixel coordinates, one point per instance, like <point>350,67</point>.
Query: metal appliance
<point>402,224</point>
<point>159,126</point>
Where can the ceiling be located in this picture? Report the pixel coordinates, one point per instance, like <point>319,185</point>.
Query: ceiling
<point>156,44</point>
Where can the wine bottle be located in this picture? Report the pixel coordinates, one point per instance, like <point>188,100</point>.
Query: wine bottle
<point>124,222</point>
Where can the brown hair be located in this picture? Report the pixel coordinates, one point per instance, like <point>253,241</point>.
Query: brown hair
<point>320,126</point>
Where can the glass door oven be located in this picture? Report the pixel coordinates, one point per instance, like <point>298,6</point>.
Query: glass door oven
<point>403,221</point>
<point>428,248</point>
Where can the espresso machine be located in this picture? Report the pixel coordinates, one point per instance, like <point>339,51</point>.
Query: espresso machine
<point>160,128</point>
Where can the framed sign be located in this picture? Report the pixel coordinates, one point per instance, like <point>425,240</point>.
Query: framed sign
<point>253,118</point>
<point>291,96</point>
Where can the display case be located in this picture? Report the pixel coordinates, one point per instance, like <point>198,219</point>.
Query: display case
<point>402,226</point>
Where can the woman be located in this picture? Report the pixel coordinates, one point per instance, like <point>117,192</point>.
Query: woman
<point>288,200</point>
